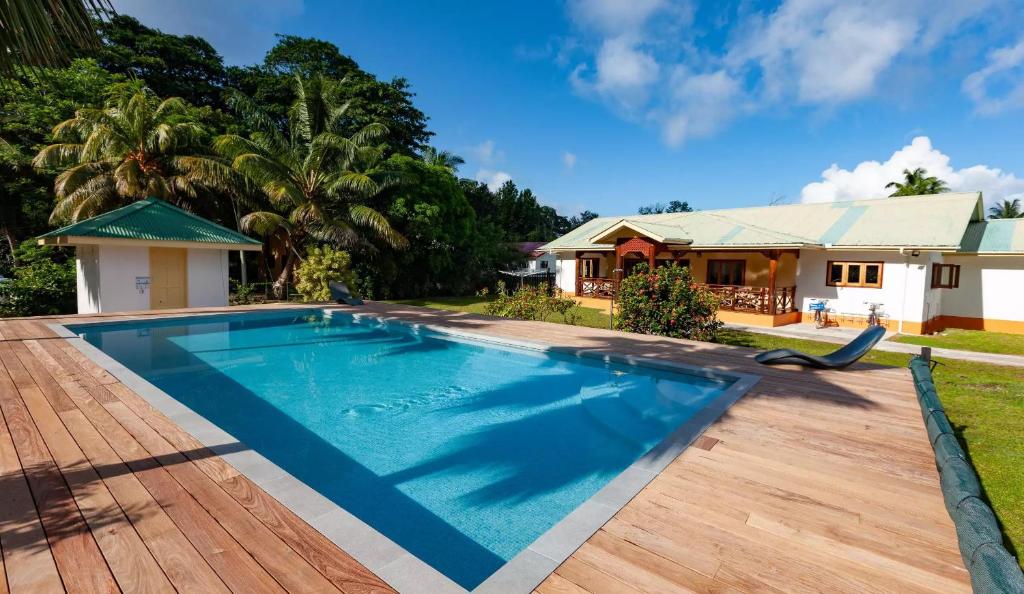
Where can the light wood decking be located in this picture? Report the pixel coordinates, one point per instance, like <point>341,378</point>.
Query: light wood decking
<point>814,481</point>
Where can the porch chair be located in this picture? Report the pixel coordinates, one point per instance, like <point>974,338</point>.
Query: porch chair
<point>843,357</point>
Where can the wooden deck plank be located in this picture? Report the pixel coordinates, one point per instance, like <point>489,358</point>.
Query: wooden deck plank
<point>78,557</point>
<point>814,480</point>
<point>28,563</point>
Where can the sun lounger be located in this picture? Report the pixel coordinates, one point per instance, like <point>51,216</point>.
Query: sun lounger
<point>341,294</point>
<point>843,357</point>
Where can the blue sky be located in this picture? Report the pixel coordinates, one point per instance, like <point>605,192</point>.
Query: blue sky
<point>608,105</point>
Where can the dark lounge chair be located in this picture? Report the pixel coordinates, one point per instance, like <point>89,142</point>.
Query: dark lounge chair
<point>843,357</point>
<point>341,294</point>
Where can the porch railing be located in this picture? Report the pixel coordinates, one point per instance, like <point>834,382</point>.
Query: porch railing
<point>596,287</point>
<point>730,297</point>
<point>754,299</point>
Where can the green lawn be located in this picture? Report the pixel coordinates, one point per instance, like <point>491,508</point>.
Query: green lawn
<point>985,404</point>
<point>970,340</point>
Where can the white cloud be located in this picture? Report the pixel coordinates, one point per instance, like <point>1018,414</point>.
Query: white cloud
<point>613,17</point>
<point>701,104</point>
<point>493,178</point>
<point>867,180</point>
<point>1005,66</point>
<point>820,53</point>
<point>484,152</point>
<point>568,160</point>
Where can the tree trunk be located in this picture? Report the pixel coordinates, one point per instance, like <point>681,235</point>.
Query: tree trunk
<point>285,276</point>
<point>9,235</point>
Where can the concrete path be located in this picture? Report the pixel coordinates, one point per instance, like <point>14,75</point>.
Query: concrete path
<point>844,335</point>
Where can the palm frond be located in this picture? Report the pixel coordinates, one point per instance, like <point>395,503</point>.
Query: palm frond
<point>36,34</point>
<point>263,223</point>
<point>56,155</point>
<point>364,216</point>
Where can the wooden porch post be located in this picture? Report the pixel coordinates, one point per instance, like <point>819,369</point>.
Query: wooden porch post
<point>773,265</point>
<point>579,273</point>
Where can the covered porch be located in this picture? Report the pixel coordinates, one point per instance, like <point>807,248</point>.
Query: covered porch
<point>753,286</point>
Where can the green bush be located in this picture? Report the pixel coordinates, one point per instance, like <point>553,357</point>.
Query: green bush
<point>43,283</point>
<point>667,302</point>
<point>321,266</point>
<point>530,303</point>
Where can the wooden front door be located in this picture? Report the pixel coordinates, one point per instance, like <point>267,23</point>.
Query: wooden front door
<point>168,282</point>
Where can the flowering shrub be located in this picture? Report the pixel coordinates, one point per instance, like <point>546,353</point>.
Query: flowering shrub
<point>667,302</point>
<point>530,303</point>
<point>322,265</point>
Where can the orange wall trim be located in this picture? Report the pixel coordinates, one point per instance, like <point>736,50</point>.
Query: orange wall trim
<point>755,319</point>
<point>942,322</point>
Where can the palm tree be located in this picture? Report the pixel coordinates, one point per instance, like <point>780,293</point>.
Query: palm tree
<point>317,181</point>
<point>1009,209</point>
<point>437,158</point>
<point>35,34</point>
<point>136,146</point>
<point>916,183</point>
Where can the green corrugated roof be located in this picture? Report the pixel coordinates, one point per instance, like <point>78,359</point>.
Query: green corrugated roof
<point>153,219</point>
<point>938,221</point>
<point>998,236</point>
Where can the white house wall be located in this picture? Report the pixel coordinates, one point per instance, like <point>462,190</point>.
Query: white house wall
<point>207,278</point>
<point>902,293</point>
<point>87,278</point>
<point>119,267</point>
<point>990,288</point>
<point>565,272</point>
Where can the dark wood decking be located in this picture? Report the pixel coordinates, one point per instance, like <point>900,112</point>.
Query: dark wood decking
<point>814,481</point>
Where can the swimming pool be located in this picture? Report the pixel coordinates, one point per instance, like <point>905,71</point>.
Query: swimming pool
<point>461,451</point>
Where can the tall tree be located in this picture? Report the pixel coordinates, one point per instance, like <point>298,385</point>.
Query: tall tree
<point>30,106</point>
<point>439,158</point>
<point>137,145</point>
<point>1007,209</point>
<point>916,183</point>
<point>36,34</point>
<point>317,180</point>
<point>183,66</point>
<point>659,208</point>
<point>581,219</point>
<point>369,100</point>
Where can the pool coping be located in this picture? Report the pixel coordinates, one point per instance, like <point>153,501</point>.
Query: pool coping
<point>402,570</point>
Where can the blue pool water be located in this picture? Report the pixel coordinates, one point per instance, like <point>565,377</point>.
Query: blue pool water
<point>462,452</point>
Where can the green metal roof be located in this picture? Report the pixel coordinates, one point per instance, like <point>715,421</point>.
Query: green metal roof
<point>152,219</point>
<point>935,221</point>
<point>997,236</point>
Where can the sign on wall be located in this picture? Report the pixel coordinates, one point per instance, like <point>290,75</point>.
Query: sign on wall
<point>142,284</point>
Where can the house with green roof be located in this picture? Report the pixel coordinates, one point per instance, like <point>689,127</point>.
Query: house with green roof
<point>150,255</point>
<point>923,262</point>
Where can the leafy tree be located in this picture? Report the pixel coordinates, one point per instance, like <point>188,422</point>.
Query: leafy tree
<point>138,145</point>
<point>317,180</point>
<point>1007,209</point>
<point>183,66</point>
<point>35,34</point>
<point>322,265</point>
<point>667,302</point>
<point>581,219</point>
<point>369,100</point>
<point>43,283</point>
<point>659,208</point>
<point>450,251</point>
<point>916,183</point>
<point>30,106</point>
<point>439,158</point>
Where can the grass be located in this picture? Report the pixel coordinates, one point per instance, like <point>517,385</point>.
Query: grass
<point>970,340</point>
<point>985,404</point>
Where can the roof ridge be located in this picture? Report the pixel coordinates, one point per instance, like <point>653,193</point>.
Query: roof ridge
<point>202,220</point>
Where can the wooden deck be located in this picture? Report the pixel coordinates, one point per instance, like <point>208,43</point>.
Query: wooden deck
<point>814,481</point>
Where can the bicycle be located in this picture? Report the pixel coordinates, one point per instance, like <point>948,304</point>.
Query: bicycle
<point>873,313</point>
<point>820,309</point>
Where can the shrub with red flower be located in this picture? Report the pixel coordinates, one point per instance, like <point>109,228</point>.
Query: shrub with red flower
<point>667,302</point>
